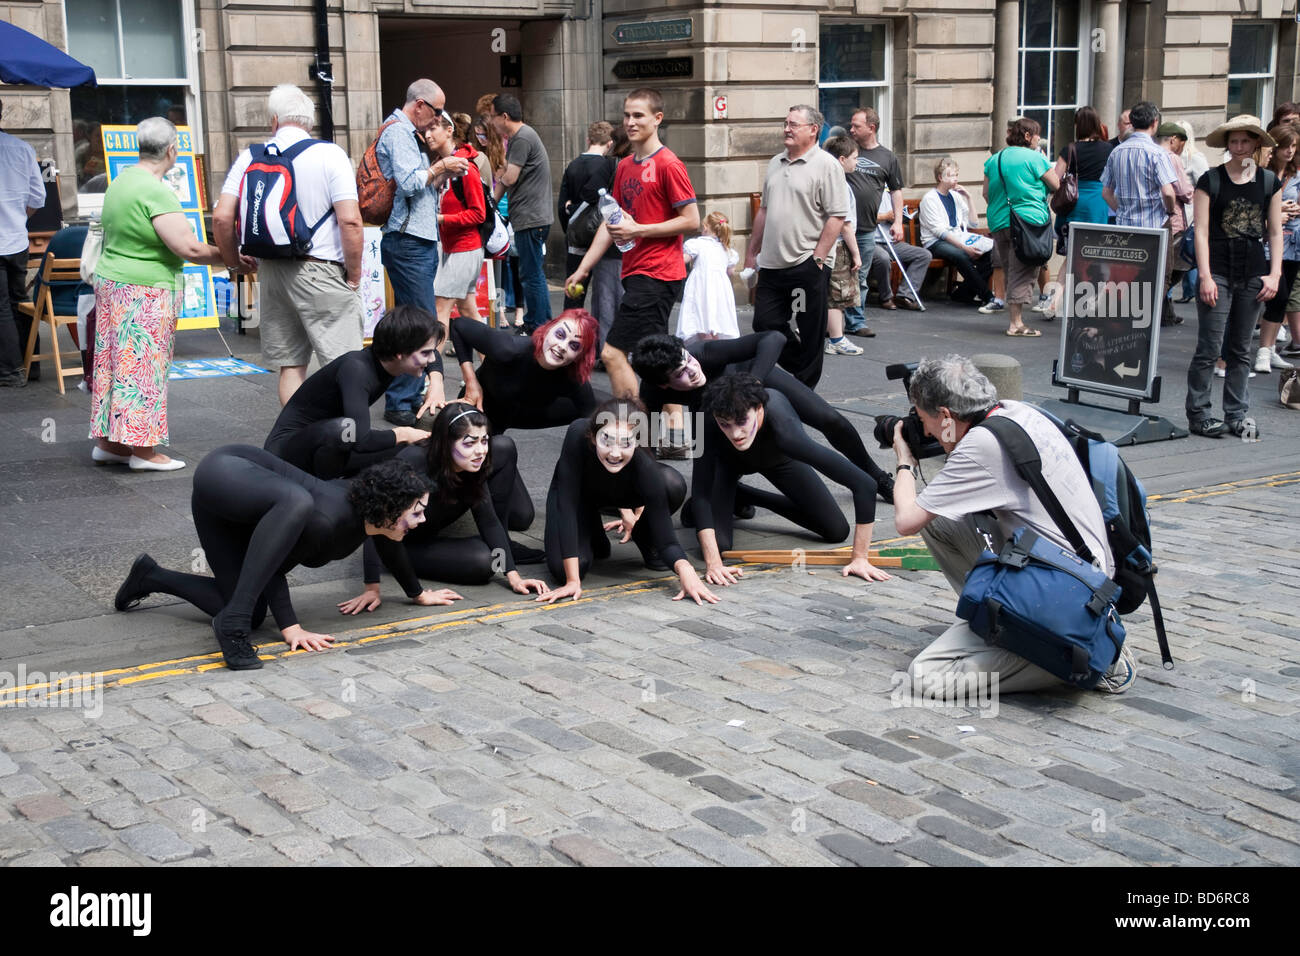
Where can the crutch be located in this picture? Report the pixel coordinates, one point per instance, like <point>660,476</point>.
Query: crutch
<point>916,297</point>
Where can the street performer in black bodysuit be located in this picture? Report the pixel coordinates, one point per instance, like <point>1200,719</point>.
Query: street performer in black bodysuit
<point>751,429</point>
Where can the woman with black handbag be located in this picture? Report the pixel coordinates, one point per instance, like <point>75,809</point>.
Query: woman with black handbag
<point>1084,160</point>
<point>1016,183</point>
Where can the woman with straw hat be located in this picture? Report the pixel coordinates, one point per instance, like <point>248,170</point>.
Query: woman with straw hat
<point>1237,206</point>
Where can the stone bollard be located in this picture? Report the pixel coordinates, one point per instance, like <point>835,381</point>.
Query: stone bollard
<point>1004,372</point>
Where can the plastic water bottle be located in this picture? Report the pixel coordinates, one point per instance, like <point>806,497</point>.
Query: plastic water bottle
<point>612,214</point>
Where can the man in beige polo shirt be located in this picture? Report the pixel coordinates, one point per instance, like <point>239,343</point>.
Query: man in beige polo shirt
<point>803,196</point>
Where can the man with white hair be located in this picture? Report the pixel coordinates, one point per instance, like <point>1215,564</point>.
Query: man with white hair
<point>306,303</point>
<point>978,500</point>
<point>409,249</point>
<point>799,217</point>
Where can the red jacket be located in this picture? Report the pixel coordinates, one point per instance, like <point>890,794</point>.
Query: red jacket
<point>463,208</point>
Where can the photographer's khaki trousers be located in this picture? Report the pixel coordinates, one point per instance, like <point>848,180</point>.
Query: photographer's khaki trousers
<point>957,545</point>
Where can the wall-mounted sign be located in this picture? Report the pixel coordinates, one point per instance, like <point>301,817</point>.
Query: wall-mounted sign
<point>664,68</point>
<point>653,31</point>
<point>720,107</point>
<point>512,70</point>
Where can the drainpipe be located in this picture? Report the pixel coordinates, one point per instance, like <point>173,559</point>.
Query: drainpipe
<point>322,72</point>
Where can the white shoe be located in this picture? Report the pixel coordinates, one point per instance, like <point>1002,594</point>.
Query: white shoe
<point>843,347</point>
<point>1223,373</point>
<point>991,306</point>
<point>1277,361</point>
<point>1044,303</point>
<point>1283,336</point>
<point>1262,357</point>
<point>1121,675</point>
<point>101,457</point>
<point>172,464</point>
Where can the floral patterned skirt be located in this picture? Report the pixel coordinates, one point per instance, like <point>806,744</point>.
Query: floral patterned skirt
<point>135,329</point>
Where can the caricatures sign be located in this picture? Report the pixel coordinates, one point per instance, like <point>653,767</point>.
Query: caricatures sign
<point>200,308</point>
<point>1114,290</point>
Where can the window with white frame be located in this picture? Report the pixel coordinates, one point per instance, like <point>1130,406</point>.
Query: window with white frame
<point>1054,54</point>
<point>1251,61</point>
<point>854,63</point>
<point>145,66</point>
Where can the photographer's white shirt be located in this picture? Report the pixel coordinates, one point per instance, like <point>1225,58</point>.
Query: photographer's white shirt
<point>979,476</point>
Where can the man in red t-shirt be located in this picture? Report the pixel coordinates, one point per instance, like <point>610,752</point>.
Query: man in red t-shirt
<point>658,201</point>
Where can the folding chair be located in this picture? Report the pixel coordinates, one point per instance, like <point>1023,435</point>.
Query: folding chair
<point>42,310</point>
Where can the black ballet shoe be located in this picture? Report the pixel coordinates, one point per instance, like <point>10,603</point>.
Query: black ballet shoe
<point>523,554</point>
<point>885,489</point>
<point>744,512</point>
<point>133,591</point>
<point>651,559</point>
<point>236,648</point>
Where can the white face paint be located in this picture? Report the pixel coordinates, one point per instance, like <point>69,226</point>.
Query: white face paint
<point>407,521</point>
<point>562,345</point>
<point>615,445</point>
<point>688,376</point>
<point>415,363</point>
<point>741,434</point>
<point>470,450</point>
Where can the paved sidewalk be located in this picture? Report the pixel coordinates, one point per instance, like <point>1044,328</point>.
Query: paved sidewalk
<point>627,729</point>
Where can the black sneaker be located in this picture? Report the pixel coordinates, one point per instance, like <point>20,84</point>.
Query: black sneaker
<point>885,489</point>
<point>236,648</point>
<point>1208,428</point>
<point>399,416</point>
<point>744,512</point>
<point>1242,428</point>
<point>523,554</point>
<point>133,590</point>
<point>16,379</point>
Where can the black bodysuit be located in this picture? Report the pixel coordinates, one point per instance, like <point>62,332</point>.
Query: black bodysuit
<point>757,354</point>
<point>783,454</point>
<point>581,487</point>
<point>518,392</point>
<point>258,517</point>
<point>324,429</point>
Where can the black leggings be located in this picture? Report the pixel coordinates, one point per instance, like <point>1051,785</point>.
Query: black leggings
<point>510,499</point>
<point>326,449</point>
<point>249,511</point>
<point>815,412</point>
<point>801,497</point>
<point>593,542</point>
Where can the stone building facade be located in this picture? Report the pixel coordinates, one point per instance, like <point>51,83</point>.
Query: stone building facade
<point>944,74</point>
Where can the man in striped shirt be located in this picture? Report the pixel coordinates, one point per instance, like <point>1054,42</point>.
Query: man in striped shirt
<point>1138,182</point>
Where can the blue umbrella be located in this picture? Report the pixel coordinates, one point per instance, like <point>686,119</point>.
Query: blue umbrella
<point>29,60</point>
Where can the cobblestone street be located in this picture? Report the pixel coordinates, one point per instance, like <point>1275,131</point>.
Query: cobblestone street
<point>628,729</point>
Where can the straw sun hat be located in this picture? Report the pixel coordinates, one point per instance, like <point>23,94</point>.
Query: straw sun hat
<point>1243,124</point>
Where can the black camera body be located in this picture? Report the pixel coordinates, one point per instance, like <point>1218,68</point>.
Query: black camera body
<point>914,436</point>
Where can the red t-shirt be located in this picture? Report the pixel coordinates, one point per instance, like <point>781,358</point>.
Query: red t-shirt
<point>462,217</point>
<point>651,190</point>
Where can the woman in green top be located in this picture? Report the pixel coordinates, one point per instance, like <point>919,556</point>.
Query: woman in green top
<point>139,292</point>
<point>1023,182</point>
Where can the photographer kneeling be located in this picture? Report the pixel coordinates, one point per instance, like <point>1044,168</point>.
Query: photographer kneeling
<point>978,490</point>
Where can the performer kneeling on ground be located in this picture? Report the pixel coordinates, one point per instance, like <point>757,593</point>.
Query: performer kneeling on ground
<point>672,371</point>
<point>324,429</point>
<point>258,517</point>
<point>467,470</point>
<point>603,465</point>
<point>535,382</point>
<point>755,430</point>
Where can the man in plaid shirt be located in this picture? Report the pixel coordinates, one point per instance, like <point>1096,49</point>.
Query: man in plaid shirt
<point>1138,182</point>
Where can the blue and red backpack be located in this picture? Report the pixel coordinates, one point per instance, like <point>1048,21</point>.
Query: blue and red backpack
<point>270,223</point>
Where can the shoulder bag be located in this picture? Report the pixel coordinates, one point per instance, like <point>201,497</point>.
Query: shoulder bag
<point>1066,196</point>
<point>1033,244</point>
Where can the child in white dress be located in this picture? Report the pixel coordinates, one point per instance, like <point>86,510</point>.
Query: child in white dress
<point>708,301</point>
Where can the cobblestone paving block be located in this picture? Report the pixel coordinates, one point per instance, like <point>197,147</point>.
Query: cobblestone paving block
<point>416,790</point>
<point>585,851</point>
<point>716,848</point>
<point>551,734</point>
<point>1049,841</point>
<point>881,799</point>
<point>147,786</point>
<point>858,851</point>
<point>220,714</point>
<point>1131,847</point>
<point>335,823</point>
<point>377,851</point>
<point>856,817</point>
<point>967,810</point>
<point>157,842</point>
<point>86,789</point>
<point>856,740</point>
<point>1182,841</point>
<point>672,763</point>
<point>728,790</point>
<point>1094,783</point>
<point>291,792</point>
<point>301,848</point>
<point>200,736</point>
<point>896,777</point>
<point>366,762</point>
<point>77,836</point>
<point>640,807</point>
<point>959,834</point>
<point>934,853</point>
<point>931,746</point>
<point>729,821</point>
<point>107,858</point>
<point>43,807</point>
<point>569,774</point>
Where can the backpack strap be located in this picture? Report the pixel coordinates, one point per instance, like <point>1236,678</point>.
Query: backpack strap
<point>292,153</point>
<point>1029,466</point>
